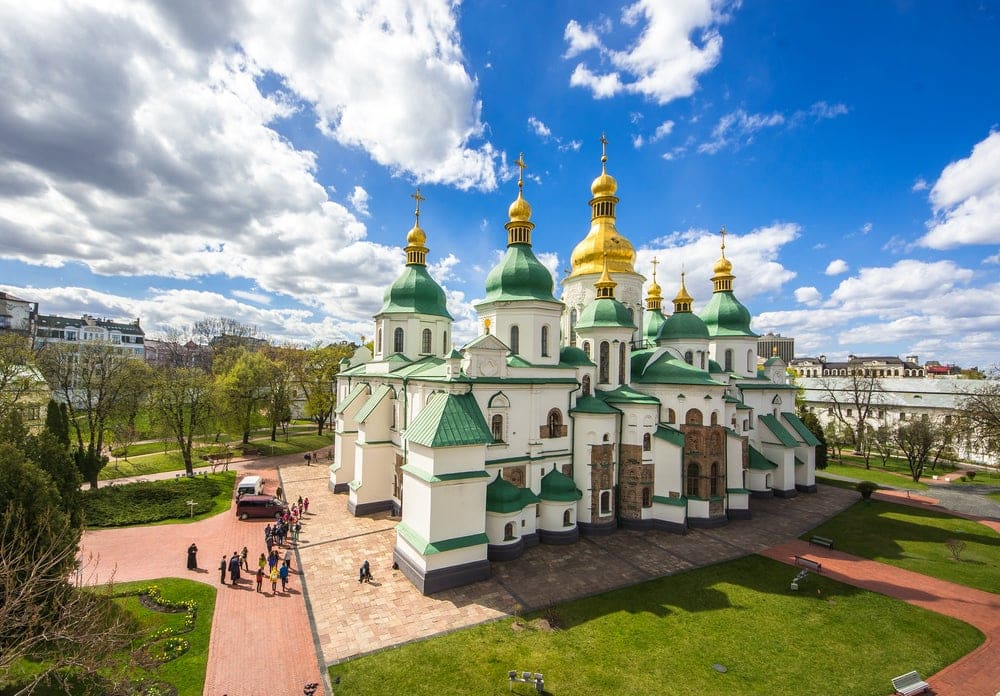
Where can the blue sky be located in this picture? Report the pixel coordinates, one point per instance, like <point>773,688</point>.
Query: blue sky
<point>172,162</point>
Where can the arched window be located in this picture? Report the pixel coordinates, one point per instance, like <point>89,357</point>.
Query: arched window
<point>671,415</point>
<point>751,362</point>
<point>586,385</point>
<point>605,502</point>
<point>555,423</point>
<point>713,483</point>
<point>647,498</point>
<point>444,343</point>
<point>715,417</point>
<point>693,480</point>
<point>572,327</point>
<point>693,417</point>
<point>604,366</point>
<point>567,520</point>
<point>378,340</point>
<point>647,442</point>
<point>496,425</point>
<point>515,340</point>
<point>689,357</point>
<point>545,341</point>
<point>586,348</point>
<point>508,531</point>
<point>621,363</point>
<point>425,341</point>
<point>729,360</point>
<point>701,358</point>
<point>397,340</point>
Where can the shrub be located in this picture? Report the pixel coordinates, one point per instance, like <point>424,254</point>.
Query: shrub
<point>866,488</point>
<point>151,501</point>
<point>971,475</point>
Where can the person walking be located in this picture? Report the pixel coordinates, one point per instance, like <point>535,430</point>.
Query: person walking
<point>192,556</point>
<point>299,502</point>
<point>272,559</point>
<point>260,577</point>
<point>305,505</point>
<point>296,530</point>
<point>274,580</point>
<point>262,561</point>
<point>234,568</point>
<point>365,575</point>
<point>222,570</point>
<point>243,559</point>
<point>288,558</point>
<point>283,574</point>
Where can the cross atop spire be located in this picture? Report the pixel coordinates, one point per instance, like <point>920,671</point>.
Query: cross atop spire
<point>656,262</point>
<point>519,162</point>
<point>723,232</point>
<point>418,198</point>
<point>604,152</point>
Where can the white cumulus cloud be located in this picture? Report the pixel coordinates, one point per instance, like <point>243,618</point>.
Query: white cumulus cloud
<point>836,267</point>
<point>359,201</point>
<point>808,295</point>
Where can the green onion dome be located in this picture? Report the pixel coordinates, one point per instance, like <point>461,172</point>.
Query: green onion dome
<point>415,292</point>
<point>559,487</point>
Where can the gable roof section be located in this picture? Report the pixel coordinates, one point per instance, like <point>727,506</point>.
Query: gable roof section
<point>671,435</point>
<point>803,431</point>
<point>450,420</point>
<point>759,461</point>
<point>372,403</point>
<point>590,404</point>
<point>624,394</point>
<point>486,342</point>
<point>779,431</point>
<point>358,390</point>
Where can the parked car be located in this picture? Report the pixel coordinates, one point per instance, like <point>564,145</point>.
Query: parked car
<point>250,485</point>
<point>260,506</point>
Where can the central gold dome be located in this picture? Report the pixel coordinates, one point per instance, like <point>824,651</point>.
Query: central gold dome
<point>588,256</point>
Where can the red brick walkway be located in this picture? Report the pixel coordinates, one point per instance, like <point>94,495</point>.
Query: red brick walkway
<point>261,645</point>
<point>976,674</point>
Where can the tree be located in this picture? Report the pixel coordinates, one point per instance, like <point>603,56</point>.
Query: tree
<point>57,422</point>
<point>917,439</point>
<point>95,380</point>
<point>17,374</point>
<point>314,371</point>
<point>278,404</point>
<point>882,442</point>
<point>853,399</point>
<point>816,428</point>
<point>242,379</point>
<point>182,401</point>
<point>979,414</point>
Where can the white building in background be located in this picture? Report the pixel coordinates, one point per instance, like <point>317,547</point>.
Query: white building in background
<point>129,337</point>
<point>564,417</point>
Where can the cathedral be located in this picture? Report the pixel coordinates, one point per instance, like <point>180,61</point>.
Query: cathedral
<point>566,416</point>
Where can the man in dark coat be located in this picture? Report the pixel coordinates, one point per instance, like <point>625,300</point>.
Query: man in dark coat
<point>192,557</point>
<point>222,570</point>
<point>234,568</point>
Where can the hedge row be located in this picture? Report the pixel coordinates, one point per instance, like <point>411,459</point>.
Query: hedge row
<point>154,501</point>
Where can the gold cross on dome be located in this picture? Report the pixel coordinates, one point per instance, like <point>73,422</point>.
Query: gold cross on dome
<point>417,197</point>
<point>604,149</point>
<point>723,232</point>
<point>519,162</point>
<point>656,263</point>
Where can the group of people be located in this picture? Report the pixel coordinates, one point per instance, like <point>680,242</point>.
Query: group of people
<point>267,566</point>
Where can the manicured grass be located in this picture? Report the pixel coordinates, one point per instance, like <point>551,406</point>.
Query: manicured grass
<point>882,478</point>
<point>663,637</point>
<point>159,502</point>
<point>916,539</point>
<point>994,496</point>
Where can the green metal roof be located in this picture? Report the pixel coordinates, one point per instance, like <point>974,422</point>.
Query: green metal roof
<point>426,548</point>
<point>373,402</point>
<point>571,355</point>
<point>415,292</point>
<point>605,312</point>
<point>517,361</point>
<point>803,431</point>
<point>450,420</point>
<point>354,394</point>
<point>764,384</point>
<point>724,315</point>
<point>503,496</point>
<point>667,369</point>
<point>671,435</point>
<point>590,404</point>
<point>519,276</point>
<point>759,461</point>
<point>652,320</point>
<point>625,394</point>
<point>715,368</point>
<point>680,501</point>
<point>779,431</point>
<point>559,487</point>
<point>681,325</point>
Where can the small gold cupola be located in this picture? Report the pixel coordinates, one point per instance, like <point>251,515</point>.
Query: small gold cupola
<point>722,280</point>
<point>654,297</point>
<point>603,238</point>
<point>682,303</point>
<point>605,285</point>
<point>416,239</point>
<point>520,225</point>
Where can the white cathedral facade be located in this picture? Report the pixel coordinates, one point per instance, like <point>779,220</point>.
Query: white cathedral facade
<point>566,416</point>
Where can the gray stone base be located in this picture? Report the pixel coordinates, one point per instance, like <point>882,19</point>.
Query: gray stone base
<point>445,578</point>
<point>505,552</point>
<point>637,524</point>
<point>790,493</point>
<point>806,489</point>
<point>530,540</point>
<point>565,537</point>
<point>368,508</point>
<point>338,487</point>
<point>707,522</point>
<point>667,526</point>
<point>597,529</point>
<point>762,494</point>
<point>738,514</point>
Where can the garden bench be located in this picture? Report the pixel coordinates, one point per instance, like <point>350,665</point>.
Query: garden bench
<point>535,679</point>
<point>909,683</point>
<point>821,541</point>
<point>809,564</point>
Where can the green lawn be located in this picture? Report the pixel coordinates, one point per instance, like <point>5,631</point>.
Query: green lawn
<point>915,539</point>
<point>664,636</point>
<point>882,478</point>
<point>896,464</point>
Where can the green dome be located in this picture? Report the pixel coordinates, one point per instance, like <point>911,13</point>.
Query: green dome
<point>571,355</point>
<point>558,486</point>
<point>519,276</point>
<point>726,316</point>
<point>715,368</point>
<point>503,496</point>
<point>652,320</point>
<point>415,292</point>
<point>681,325</point>
<point>605,312</point>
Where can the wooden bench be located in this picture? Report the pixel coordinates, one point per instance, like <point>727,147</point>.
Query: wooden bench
<point>808,564</point>
<point>821,541</point>
<point>535,679</point>
<point>909,683</point>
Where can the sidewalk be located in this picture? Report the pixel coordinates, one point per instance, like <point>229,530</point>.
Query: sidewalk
<point>976,674</point>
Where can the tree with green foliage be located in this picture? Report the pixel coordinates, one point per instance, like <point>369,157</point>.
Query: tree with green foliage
<point>183,403</point>
<point>17,371</point>
<point>882,443</point>
<point>280,383</point>
<point>816,428</point>
<point>917,439</point>
<point>315,372</point>
<point>242,380</point>
<point>57,422</point>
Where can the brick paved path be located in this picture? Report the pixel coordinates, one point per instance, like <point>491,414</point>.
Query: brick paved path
<point>976,674</point>
<point>261,645</point>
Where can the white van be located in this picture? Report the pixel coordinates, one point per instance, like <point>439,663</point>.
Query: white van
<point>250,485</point>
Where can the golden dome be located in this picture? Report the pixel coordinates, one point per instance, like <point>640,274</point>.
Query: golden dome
<point>655,291</point>
<point>722,266</point>
<point>682,294</point>
<point>520,209</point>
<point>604,185</point>
<point>416,236</point>
<point>603,238</point>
